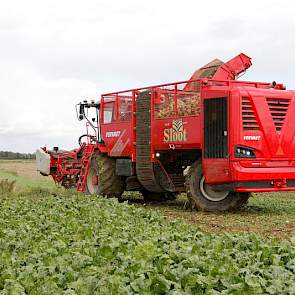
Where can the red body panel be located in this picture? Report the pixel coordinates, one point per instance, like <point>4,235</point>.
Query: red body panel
<point>273,141</point>
<point>117,139</point>
<point>217,171</point>
<point>192,128</point>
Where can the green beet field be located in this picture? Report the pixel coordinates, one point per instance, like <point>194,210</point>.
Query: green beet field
<point>54,241</point>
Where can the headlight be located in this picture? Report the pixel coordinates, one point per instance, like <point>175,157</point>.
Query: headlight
<point>244,152</point>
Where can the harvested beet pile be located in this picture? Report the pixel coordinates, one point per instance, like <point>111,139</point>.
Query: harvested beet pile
<point>187,105</point>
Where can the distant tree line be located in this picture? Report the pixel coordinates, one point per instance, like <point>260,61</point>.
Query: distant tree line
<point>5,155</point>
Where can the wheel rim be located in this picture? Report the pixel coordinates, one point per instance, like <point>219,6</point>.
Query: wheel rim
<point>210,194</point>
<point>92,181</point>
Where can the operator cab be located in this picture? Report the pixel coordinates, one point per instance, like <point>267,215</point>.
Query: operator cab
<point>90,112</point>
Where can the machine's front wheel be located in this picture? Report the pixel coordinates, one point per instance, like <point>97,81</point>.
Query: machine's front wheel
<point>203,197</point>
<point>102,178</point>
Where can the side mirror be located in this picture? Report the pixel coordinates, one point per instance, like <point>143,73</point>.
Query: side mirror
<point>81,112</point>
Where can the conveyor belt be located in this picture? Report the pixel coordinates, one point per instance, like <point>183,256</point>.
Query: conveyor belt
<point>144,167</point>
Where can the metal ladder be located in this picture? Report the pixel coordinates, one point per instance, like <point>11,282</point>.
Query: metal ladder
<point>85,168</point>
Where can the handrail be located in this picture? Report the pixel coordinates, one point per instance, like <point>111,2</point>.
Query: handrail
<point>228,82</point>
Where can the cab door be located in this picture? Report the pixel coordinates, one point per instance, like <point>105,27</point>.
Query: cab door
<point>216,137</point>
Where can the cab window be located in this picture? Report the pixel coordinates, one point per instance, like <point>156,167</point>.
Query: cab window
<point>109,115</point>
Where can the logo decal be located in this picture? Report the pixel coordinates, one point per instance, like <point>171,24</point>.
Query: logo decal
<point>252,137</point>
<point>113,134</point>
<point>176,133</point>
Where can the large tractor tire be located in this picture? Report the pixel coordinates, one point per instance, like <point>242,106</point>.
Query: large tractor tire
<point>102,178</point>
<point>158,197</point>
<point>202,197</point>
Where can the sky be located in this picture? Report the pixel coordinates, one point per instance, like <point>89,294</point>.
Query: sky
<point>54,54</point>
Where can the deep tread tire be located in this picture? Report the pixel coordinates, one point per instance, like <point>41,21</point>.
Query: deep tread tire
<point>158,197</point>
<point>197,200</point>
<point>110,184</point>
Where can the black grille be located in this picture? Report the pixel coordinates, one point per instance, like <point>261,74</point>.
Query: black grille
<point>248,116</point>
<point>215,127</point>
<point>278,108</point>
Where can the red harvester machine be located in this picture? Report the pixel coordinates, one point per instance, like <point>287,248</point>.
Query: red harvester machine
<point>213,137</point>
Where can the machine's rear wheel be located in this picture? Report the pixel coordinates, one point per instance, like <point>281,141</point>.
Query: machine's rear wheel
<point>202,196</point>
<point>158,197</point>
<point>102,178</point>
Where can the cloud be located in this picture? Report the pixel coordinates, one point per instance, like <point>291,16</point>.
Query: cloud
<point>38,109</point>
<point>55,53</point>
